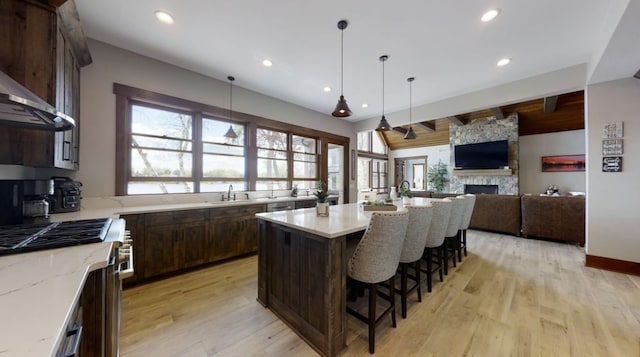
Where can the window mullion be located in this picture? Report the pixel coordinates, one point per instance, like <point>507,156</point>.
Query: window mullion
<point>197,147</point>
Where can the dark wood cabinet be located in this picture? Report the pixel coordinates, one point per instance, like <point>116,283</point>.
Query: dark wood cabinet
<point>167,242</point>
<point>235,231</point>
<point>305,204</point>
<point>43,49</point>
<point>175,241</point>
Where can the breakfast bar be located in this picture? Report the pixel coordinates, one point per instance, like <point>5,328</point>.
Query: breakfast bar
<point>302,270</point>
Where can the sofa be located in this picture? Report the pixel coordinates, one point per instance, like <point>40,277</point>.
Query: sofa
<point>497,213</point>
<point>551,217</point>
<point>548,217</point>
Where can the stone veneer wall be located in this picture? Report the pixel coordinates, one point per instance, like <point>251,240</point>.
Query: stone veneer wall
<point>483,130</point>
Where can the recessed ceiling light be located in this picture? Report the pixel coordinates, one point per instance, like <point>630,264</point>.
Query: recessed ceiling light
<point>267,63</point>
<point>327,89</point>
<point>490,15</point>
<point>365,105</point>
<point>164,17</point>
<point>504,62</point>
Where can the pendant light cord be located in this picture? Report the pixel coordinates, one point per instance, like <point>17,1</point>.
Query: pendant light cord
<point>383,86</point>
<point>410,96</point>
<point>342,62</point>
<point>230,99</point>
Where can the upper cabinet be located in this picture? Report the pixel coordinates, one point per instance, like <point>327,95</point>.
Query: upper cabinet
<point>43,49</point>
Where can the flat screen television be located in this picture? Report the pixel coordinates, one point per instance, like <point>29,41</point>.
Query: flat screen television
<point>488,155</point>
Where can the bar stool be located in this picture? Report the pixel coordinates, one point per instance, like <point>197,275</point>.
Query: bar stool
<point>375,260</point>
<point>412,249</point>
<point>451,235</point>
<point>470,202</point>
<point>434,245</point>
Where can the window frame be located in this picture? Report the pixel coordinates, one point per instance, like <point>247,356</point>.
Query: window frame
<point>125,95</point>
<point>373,158</point>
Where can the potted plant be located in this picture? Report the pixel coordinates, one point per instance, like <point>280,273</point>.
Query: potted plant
<point>322,206</point>
<point>437,176</point>
<point>404,191</point>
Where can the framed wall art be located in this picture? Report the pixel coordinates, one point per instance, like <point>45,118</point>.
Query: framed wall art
<point>564,163</point>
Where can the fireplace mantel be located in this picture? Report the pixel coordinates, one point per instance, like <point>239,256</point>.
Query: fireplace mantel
<point>491,172</point>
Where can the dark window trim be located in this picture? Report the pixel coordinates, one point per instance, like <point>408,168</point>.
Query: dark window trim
<point>126,94</point>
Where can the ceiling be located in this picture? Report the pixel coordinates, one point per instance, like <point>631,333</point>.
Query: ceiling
<point>544,115</point>
<point>441,43</point>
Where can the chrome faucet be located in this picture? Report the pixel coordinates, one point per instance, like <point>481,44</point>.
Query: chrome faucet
<point>229,193</point>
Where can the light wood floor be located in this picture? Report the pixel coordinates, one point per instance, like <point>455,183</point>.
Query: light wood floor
<point>510,297</point>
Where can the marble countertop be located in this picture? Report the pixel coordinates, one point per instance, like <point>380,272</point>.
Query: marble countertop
<point>115,207</point>
<point>342,219</point>
<point>39,289</point>
<point>37,295</point>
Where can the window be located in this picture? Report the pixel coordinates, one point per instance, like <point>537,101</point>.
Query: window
<point>273,159</point>
<point>160,151</point>
<point>305,162</point>
<point>372,163</point>
<point>172,145</point>
<point>223,159</point>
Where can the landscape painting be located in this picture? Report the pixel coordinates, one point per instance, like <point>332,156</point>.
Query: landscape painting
<point>563,163</point>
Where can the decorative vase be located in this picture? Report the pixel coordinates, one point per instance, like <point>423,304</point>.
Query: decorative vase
<point>322,209</point>
<point>393,195</point>
<point>406,200</point>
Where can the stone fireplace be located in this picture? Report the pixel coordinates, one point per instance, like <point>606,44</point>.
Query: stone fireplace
<point>483,130</point>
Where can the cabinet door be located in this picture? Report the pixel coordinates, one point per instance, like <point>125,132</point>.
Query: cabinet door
<point>67,101</point>
<point>223,236</point>
<point>195,242</point>
<point>248,235</point>
<point>164,249</point>
<point>27,54</point>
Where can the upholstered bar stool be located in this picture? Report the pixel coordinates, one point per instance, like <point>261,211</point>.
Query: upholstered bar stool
<point>451,235</point>
<point>470,202</point>
<point>412,249</point>
<point>375,260</point>
<point>434,249</point>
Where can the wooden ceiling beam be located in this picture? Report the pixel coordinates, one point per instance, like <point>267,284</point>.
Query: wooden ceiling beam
<point>428,126</point>
<point>497,112</point>
<point>399,129</point>
<point>458,120</point>
<point>383,138</point>
<point>550,104</point>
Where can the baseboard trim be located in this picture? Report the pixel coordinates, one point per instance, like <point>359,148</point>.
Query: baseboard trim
<point>620,266</point>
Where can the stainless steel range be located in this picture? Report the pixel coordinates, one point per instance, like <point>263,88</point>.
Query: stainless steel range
<point>32,237</point>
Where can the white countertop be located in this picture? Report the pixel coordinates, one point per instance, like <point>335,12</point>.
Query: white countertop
<point>342,219</point>
<point>37,293</point>
<point>39,289</point>
<point>116,207</point>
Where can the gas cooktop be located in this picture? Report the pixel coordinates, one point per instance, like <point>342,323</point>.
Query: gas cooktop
<point>32,237</point>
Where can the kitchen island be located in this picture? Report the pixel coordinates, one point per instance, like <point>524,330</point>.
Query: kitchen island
<point>302,270</point>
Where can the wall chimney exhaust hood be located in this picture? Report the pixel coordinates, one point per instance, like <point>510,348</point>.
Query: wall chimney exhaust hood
<point>19,107</point>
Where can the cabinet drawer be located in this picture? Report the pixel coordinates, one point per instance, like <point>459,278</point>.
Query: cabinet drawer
<point>173,217</point>
<point>223,212</point>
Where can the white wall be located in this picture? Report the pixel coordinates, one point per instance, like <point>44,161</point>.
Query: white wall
<point>433,153</point>
<point>97,111</point>
<point>613,198</point>
<point>533,147</point>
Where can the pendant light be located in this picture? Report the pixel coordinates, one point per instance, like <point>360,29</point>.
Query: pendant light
<point>230,134</point>
<point>342,109</point>
<point>384,124</point>
<point>410,135</point>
